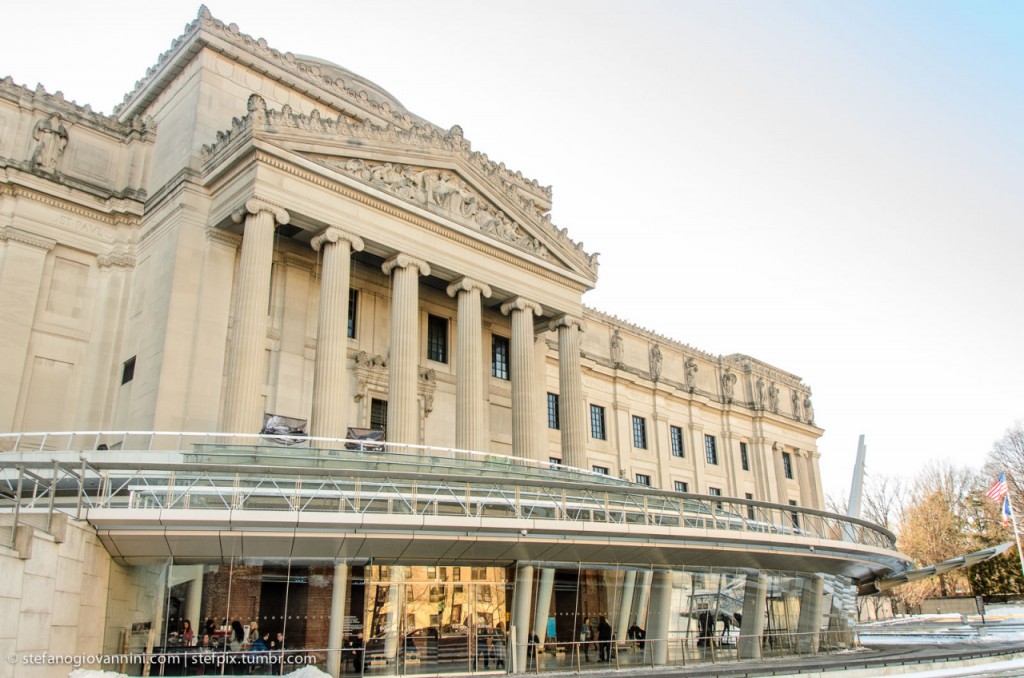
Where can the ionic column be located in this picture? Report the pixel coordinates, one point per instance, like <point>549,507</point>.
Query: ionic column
<point>243,409</point>
<point>336,627</point>
<point>329,417</point>
<point>524,410</point>
<point>405,271</point>
<point>571,406</point>
<point>469,365</point>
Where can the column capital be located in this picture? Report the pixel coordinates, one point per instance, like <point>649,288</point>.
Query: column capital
<point>569,321</point>
<point>520,304</point>
<point>255,206</point>
<point>333,234</point>
<point>405,261</point>
<point>465,284</point>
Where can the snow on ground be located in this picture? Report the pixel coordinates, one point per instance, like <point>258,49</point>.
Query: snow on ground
<point>89,673</point>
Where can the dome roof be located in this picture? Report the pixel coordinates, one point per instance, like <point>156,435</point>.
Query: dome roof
<point>351,80</point>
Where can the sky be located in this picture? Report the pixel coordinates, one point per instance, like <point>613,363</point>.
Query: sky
<point>835,188</point>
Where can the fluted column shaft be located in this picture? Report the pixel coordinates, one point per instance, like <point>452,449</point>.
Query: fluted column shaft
<point>243,405</point>
<point>524,410</point>
<point>403,362</point>
<point>469,365</point>
<point>329,417</point>
<point>571,406</point>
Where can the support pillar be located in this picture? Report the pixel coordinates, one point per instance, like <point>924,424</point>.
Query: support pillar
<point>336,628</point>
<point>22,258</point>
<point>469,365</point>
<point>403,357</point>
<point>524,410</point>
<point>571,402</point>
<point>625,606</point>
<point>659,619</point>
<point>243,398</point>
<point>809,625</point>
<point>329,416</point>
<point>645,595</point>
<point>755,595</point>
<point>393,619</point>
<point>543,611</point>
<point>520,625</point>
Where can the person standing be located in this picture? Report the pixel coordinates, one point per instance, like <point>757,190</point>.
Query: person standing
<point>604,639</point>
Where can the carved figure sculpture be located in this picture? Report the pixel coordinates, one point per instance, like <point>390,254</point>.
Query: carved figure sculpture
<point>796,405</point>
<point>759,392</point>
<point>690,367</point>
<point>53,138</point>
<point>655,362</point>
<point>773,398</point>
<point>616,348</point>
<point>809,409</point>
<point>728,384</point>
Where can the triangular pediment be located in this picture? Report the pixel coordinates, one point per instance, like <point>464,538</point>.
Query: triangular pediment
<point>425,167</point>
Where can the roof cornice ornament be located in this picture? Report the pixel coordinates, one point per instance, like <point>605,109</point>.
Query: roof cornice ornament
<point>418,186</point>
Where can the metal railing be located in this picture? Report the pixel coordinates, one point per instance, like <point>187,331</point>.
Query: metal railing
<point>213,471</point>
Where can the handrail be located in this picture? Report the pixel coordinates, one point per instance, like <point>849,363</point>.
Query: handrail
<point>216,470</point>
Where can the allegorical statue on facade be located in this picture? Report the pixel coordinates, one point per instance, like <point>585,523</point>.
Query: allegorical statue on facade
<point>655,362</point>
<point>759,393</point>
<point>690,369</point>
<point>52,138</point>
<point>809,409</point>
<point>728,384</point>
<point>773,398</point>
<point>796,405</point>
<point>616,348</point>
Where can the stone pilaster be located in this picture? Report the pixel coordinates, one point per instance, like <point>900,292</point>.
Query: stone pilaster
<point>469,365</point>
<point>571,405</point>
<point>524,396</point>
<point>403,363</point>
<point>329,416</point>
<point>243,408</point>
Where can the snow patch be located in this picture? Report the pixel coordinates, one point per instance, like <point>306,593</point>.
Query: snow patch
<point>89,673</point>
<point>308,672</point>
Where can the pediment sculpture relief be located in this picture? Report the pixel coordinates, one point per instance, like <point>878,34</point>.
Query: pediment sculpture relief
<point>443,192</point>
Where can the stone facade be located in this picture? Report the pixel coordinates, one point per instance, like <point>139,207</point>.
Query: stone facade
<point>184,265</point>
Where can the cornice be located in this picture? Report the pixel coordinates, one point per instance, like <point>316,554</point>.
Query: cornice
<point>112,218</point>
<point>395,179</point>
<point>41,100</point>
<point>12,234</point>
<point>219,235</point>
<point>426,224</point>
<point>118,257</point>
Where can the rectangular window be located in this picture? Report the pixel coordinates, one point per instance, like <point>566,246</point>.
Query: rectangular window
<point>597,422</point>
<point>787,465</point>
<point>682,486</point>
<point>643,479</point>
<point>750,509</point>
<point>555,463</point>
<point>710,450</point>
<point>716,492</point>
<point>794,516</point>
<point>553,410</point>
<point>744,457</point>
<point>128,370</point>
<point>676,435</point>
<point>499,357</point>
<point>353,300</point>
<point>437,338</point>
<point>600,470</point>
<point>379,415</point>
<point>639,432</point>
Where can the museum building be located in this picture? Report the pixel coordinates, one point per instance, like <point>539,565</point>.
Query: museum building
<point>280,352</point>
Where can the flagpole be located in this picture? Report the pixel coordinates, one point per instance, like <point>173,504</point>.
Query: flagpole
<point>1016,532</point>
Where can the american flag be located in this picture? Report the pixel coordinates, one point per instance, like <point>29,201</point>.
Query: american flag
<point>999,489</point>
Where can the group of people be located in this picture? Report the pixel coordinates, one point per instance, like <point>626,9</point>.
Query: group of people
<point>603,635</point>
<point>241,651</point>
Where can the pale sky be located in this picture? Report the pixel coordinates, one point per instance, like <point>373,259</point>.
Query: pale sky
<point>836,188</point>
